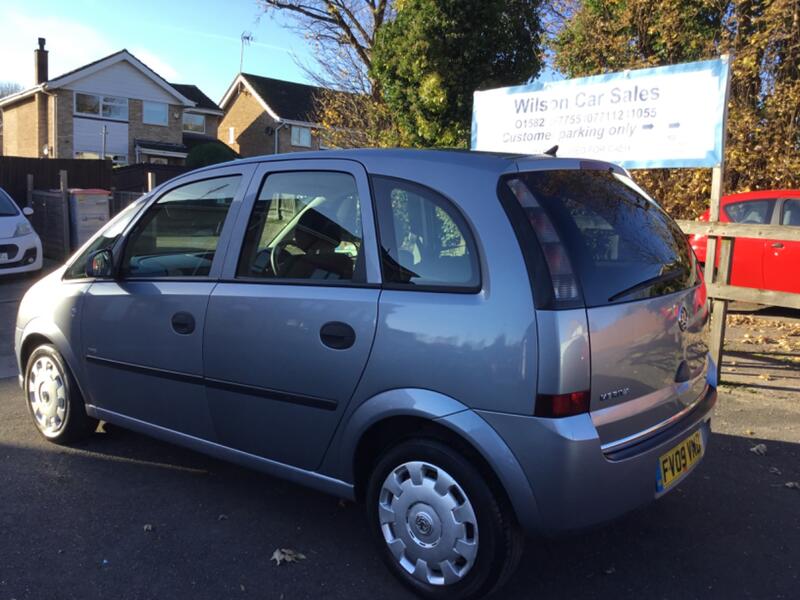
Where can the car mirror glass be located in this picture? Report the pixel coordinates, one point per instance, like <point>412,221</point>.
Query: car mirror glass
<point>27,211</point>
<point>100,264</point>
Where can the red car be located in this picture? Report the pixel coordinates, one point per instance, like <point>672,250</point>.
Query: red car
<point>758,263</point>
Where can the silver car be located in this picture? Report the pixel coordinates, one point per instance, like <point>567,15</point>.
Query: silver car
<point>476,346</point>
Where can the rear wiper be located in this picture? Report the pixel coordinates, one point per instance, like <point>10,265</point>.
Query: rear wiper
<point>668,276</point>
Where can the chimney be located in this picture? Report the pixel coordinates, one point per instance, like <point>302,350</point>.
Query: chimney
<point>40,62</point>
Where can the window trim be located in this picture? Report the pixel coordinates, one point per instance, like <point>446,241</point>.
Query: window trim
<point>472,242</point>
<point>101,102</point>
<point>294,281</point>
<point>166,113</point>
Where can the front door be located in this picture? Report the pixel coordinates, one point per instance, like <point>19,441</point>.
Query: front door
<point>782,257</point>
<point>142,332</point>
<point>289,331</point>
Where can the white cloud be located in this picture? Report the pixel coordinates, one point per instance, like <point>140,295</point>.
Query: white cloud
<point>71,45</point>
<point>156,63</point>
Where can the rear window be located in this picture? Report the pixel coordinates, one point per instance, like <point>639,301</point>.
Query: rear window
<point>620,244</point>
<point>757,212</point>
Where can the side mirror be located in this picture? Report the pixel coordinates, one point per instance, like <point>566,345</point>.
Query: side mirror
<point>100,264</point>
<point>27,211</point>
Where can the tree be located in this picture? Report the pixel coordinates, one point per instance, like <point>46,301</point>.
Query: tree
<point>210,153</point>
<point>763,143</point>
<point>342,33</point>
<point>9,87</point>
<point>436,53</point>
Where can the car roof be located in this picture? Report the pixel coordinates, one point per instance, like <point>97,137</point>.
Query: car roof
<point>405,160</point>
<point>759,195</point>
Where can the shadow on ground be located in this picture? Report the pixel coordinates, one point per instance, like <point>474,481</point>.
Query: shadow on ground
<point>729,531</point>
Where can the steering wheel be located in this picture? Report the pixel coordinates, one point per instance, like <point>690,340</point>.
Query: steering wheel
<point>274,259</point>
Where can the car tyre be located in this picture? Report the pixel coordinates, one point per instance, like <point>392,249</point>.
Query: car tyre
<point>439,526</point>
<point>53,398</point>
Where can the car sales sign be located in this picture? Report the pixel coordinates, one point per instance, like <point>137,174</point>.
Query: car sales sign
<point>662,117</point>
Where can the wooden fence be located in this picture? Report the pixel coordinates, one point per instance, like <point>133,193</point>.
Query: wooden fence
<point>15,171</point>
<point>718,272</point>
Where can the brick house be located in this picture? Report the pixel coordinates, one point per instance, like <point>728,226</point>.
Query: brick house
<point>268,116</point>
<point>200,122</point>
<point>116,107</point>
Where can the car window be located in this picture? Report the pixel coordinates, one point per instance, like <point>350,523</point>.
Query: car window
<point>757,212</point>
<point>424,239</point>
<point>791,213</point>
<point>106,238</point>
<point>621,245</point>
<point>178,235</point>
<point>305,225</point>
<point>7,206</point>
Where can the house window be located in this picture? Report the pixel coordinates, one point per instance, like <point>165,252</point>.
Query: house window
<point>108,107</point>
<point>155,113</point>
<point>231,135</point>
<point>194,123</point>
<point>301,136</point>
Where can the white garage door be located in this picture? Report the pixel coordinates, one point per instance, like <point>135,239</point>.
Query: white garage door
<point>88,136</point>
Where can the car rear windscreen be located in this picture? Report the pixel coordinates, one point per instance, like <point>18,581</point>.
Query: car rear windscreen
<point>621,245</point>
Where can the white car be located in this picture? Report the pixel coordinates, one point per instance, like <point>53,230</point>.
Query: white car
<point>20,246</point>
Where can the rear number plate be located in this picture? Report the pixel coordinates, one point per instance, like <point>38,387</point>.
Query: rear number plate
<point>678,461</point>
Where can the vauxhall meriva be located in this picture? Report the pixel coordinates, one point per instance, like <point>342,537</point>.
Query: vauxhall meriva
<point>477,346</point>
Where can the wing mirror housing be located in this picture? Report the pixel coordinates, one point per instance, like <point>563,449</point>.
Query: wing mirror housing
<point>27,211</point>
<point>100,264</point>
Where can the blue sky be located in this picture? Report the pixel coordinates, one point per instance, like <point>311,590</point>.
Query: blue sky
<point>185,41</point>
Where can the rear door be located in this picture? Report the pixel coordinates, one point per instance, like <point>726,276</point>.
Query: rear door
<point>645,305</point>
<point>143,331</point>
<point>289,330</point>
<point>749,253</point>
<point>781,257</point>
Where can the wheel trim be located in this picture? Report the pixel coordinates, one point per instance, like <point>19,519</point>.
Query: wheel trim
<point>428,523</point>
<point>47,395</point>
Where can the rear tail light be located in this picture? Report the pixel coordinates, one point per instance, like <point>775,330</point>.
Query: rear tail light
<point>562,405</point>
<point>562,277</point>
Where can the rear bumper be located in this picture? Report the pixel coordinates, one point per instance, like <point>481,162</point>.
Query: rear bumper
<point>575,483</point>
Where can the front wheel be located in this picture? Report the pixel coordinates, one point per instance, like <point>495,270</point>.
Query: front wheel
<point>439,526</point>
<point>53,399</point>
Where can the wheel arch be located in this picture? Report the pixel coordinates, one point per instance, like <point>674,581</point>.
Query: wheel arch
<point>390,417</point>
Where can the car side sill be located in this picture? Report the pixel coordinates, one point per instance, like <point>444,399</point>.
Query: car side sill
<point>312,479</point>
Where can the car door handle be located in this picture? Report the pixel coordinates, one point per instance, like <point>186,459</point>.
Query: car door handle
<point>183,323</point>
<point>777,245</point>
<point>337,335</point>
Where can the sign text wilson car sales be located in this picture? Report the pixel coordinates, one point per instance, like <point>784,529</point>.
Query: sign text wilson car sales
<point>649,118</point>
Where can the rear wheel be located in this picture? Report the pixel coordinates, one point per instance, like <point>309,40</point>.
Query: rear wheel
<point>439,526</point>
<point>53,399</point>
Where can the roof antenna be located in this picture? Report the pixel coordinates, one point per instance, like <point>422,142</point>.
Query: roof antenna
<point>246,38</point>
<point>552,151</point>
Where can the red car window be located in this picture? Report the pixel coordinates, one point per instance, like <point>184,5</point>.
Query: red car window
<point>791,213</point>
<point>758,212</point>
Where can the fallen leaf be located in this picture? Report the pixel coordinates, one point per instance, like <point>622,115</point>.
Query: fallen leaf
<point>775,470</point>
<point>793,485</point>
<point>148,527</point>
<point>222,517</point>
<point>749,432</point>
<point>765,377</point>
<point>759,449</point>
<point>609,571</point>
<point>286,555</point>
